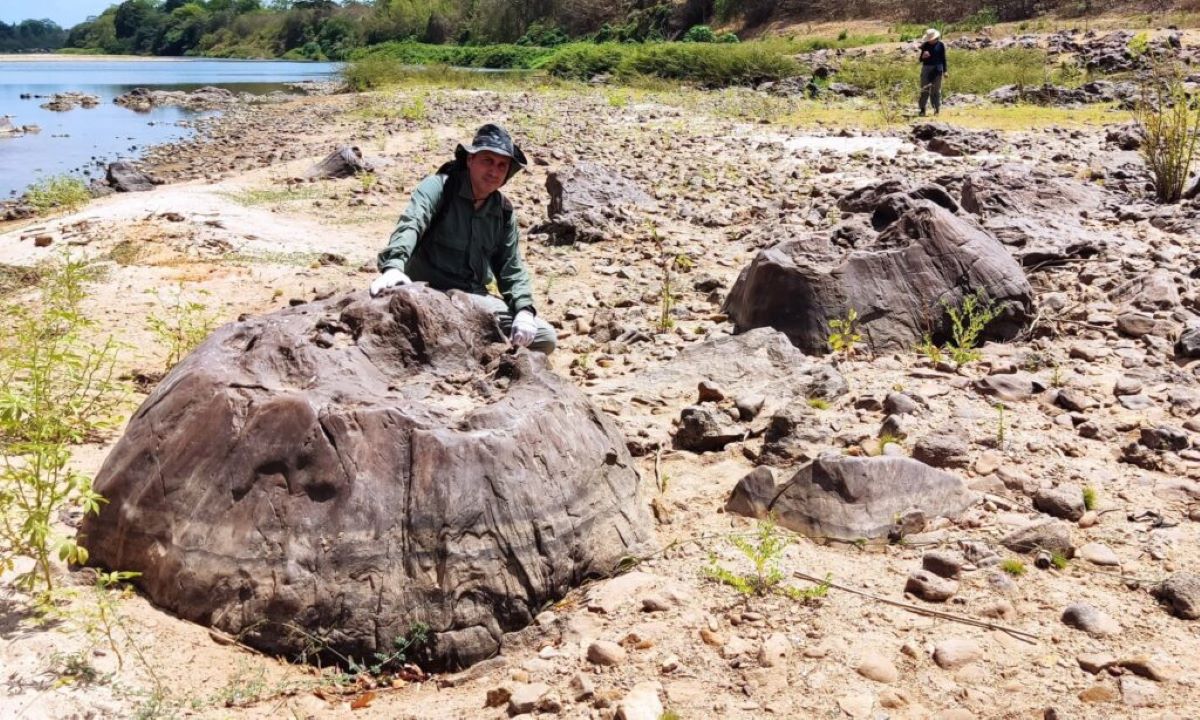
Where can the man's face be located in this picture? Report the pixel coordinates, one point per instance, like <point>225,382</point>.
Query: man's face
<point>488,172</point>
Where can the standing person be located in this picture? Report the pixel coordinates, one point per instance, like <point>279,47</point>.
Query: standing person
<point>933,69</point>
<point>458,232</point>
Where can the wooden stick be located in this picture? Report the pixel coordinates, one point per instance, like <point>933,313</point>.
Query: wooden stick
<point>1018,634</point>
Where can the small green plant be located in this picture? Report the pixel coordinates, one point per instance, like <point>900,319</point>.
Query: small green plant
<point>817,403</point>
<point>843,35</point>
<point>414,109</point>
<point>967,323</point>
<point>1000,429</point>
<point>666,291</point>
<point>1056,376</point>
<point>417,636</point>
<point>367,180</point>
<point>1140,44</point>
<point>763,552</point>
<point>57,193</point>
<point>887,438</point>
<point>843,333</point>
<point>816,592</point>
<point>930,350</point>
<point>182,325</point>
<point>57,389</point>
<point>1059,561</point>
<point>1089,497</point>
<point>1013,567</point>
<point>889,101</point>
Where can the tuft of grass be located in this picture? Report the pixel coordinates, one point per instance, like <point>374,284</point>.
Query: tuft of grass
<point>60,192</point>
<point>270,196</point>
<point>1013,567</point>
<point>127,252</point>
<point>1089,497</point>
<point>1059,561</point>
<point>818,403</point>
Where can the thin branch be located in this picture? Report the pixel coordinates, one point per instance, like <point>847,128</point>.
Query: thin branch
<point>1018,634</point>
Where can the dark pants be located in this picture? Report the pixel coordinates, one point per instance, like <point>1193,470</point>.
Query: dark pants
<point>545,340</point>
<point>931,87</point>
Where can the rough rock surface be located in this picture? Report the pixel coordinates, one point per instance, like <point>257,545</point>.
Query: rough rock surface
<point>589,202</point>
<point>897,286</point>
<point>343,162</point>
<point>1034,212</point>
<point>849,498</point>
<point>342,469</point>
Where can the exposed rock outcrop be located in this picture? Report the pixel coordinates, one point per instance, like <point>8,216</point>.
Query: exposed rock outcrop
<point>342,470</point>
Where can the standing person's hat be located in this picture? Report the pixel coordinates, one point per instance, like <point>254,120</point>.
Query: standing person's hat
<point>932,34</point>
<point>494,138</point>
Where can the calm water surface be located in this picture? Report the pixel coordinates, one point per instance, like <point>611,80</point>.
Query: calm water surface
<point>76,140</point>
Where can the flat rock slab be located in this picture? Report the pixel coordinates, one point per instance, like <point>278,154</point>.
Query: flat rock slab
<point>337,472</point>
<point>850,498</point>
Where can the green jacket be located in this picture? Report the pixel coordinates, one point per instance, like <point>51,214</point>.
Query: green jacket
<point>463,251</point>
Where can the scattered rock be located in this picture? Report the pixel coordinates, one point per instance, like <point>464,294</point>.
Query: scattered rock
<point>604,652</point>
<point>1182,593</point>
<point>930,587</point>
<point>954,653</point>
<point>878,668</point>
<point>1090,620</point>
<point>1061,502</point>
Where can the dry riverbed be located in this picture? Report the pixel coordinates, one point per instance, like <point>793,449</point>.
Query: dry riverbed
<point>236,231</point>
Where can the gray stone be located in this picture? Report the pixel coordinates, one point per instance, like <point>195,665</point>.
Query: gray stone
<point>930,587</point>
<point>525,697</point>
<point>1188,345</point>
<point>901,404</point>
<point>1061,502</point>
<point>848,498</point>
<point>704,428</point>
<point>1182,593</point>
<point>945,563</point>
<point>1164,437</point>
<point>1090,620</point>
<point>954,653</point>
<point>874,666</point>
<point>945,448</point>
<point>1049,534</point>
<point>642,702</point>
<point>604,652</point>
<point>1099,554</point>
<point>1009,386</point>
<point>753,495</point>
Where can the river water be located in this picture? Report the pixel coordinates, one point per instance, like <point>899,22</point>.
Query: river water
<point>76,140</point>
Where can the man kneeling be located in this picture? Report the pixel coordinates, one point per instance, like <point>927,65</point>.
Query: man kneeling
<point>458,232</point>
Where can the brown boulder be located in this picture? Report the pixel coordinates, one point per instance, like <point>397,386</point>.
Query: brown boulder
<point>331,474</point>
<point>899,286</point>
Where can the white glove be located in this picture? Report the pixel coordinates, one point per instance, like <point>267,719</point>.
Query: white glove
<point>523,329</point>
<point>389,278</point>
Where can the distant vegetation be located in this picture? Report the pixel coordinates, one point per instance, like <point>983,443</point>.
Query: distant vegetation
<point>329,30</point>
<point>31,35</point>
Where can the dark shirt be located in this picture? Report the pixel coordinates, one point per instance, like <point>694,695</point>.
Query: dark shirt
<point>937,54</point>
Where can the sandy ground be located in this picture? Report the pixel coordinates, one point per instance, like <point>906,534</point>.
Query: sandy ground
<point>241,242</point>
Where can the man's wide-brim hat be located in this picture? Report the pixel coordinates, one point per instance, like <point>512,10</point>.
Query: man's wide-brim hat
<point>932,34</point>
<point>493,138</point>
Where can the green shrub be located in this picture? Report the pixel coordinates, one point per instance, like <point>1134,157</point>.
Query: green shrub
<point>843,333</point>
<point>709,65</point>
<point>1168,120</point>
<point>57,193</point>
<point>539,35</point>
<point>967,323</point>
<point>373,72</point>
<point>978,72</point>
<point>584,61</point>
<point>699,33</point>
<point>56,390</point>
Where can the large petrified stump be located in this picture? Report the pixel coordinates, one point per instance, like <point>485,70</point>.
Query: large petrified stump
<point>852,498</point>
<point>899,282</point>
<point>326,476</point>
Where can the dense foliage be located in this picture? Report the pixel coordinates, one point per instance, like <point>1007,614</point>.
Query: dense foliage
<point>335,29</point>
<point>31,35</point>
